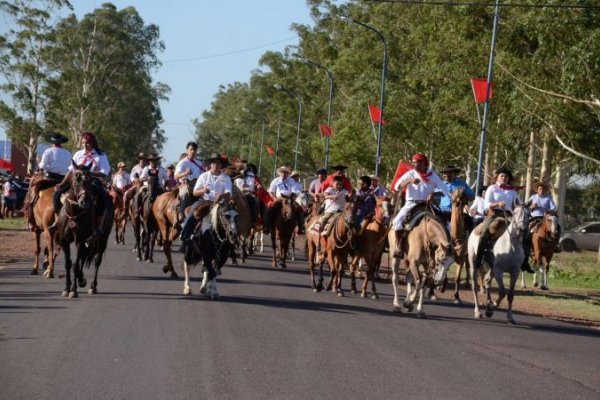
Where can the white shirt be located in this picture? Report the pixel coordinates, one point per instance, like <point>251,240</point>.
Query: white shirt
<point>283,187</point>
<point>120,180</point>
<point>136,172</point>
<point>195,166</point>
<point>217,184</point>
<point>338,203</point>
<point>99,162</point>
<point>495,194</point>
<point>246,183</point>
<point>299,186</point>
<point>479,207</point>
<point>421,190</point>
<point>56,160</point>
<point>162,175</point>
<point>543,203</point>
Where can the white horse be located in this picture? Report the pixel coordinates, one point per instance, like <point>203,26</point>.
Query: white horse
<point>508,256</point>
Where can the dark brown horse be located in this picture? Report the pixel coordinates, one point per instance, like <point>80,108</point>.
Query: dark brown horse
<point>369,246</point>
<point>135,216</point>
<point>77,223</point>
<point>165,209</point>
<point>148,221</point>
<point>544,240</point>
<point>120,216</point>
<point>283,224</point>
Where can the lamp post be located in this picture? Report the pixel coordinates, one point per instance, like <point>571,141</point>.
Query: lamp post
<point>292,94</point>
<point>330,76</point>
<point>382,91</point>
<point>262,145</point>
<point>277,145</point>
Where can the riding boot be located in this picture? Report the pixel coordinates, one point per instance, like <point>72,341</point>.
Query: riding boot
<point>398,252</point>
<point>527,250</point>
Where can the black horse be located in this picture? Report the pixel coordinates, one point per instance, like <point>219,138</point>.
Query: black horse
<point>148,222</point>
<point>77,223</point>
<point>211,245</point>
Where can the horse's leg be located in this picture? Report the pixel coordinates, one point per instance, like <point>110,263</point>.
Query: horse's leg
<point>36,261</point>
<point>514,275</point>
<point>94,285</point>
<point>395,264</point>
<point>411,295</point>
<point>152,235</point>
<point>274,247</point>
<point>186,283</point>
<point>311,263</point>
<point>342,264</point>
<point>459,267</point>
<point>474,290</point>
<point>372,268</point>
<point>284,245</point>
<point>353,267</point>
<point>420,288</point>
<point>332,270</point>
<point>537,266</point>
<point>68,265</point>
<point>49,238</point>
<point>544,270</point>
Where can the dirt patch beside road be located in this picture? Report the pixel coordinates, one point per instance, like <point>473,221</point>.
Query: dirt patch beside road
<point>15,245</point>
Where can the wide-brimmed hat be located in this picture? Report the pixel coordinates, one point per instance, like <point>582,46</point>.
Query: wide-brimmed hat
<point>214,157</point>
<point>170,166</point>
<point>57,138</point>
<point>537,184</point>
<point>505,170</point>
<point>338,167</point>
<point>121,164</point>
<point>141,156</point>
<point>374,178</point>
<point>283,170</point>
<point>153,157</point>
<point>322,171</point>
<point>450,168</point>
<point>295,173</point>
<point>251,168</point>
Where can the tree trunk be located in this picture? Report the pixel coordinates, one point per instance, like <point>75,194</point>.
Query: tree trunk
<point>560,191</point>
<point>546,169</point>
<point>530,164</point>
<point>32,153</point>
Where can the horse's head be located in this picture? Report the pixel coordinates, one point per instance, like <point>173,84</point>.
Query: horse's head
<point>227,221</point>
<point>287,209</point>
<point>444,257</point>
<point>520,219</point>
<point>349,213</point>
<point>81,183</point>
<point>304,200</point>
<point>551,225</point>
<point>382,210</point>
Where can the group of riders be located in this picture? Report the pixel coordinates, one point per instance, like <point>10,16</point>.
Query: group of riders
<point>200,182</point>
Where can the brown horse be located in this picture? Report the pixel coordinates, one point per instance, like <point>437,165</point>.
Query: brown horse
<point>43,212</point>
<point>312,241</point>
<point>369,246</point>
<point>165,209</point>
<point>544,240</point>
<point>429,256</point>
<point>337,247</point>
<point>244,220</point>
<point>120,216</point>
<point>283,224</point>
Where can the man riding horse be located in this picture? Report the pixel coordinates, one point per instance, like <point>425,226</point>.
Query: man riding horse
<point>90,155</point>
<point>213,186</point>
<point>453,182</point>
<point>53,167</point>
<point>187,171</point>
<point>247,185</point>
<point>282,187</point>
<point>420,182</point>
<point>540,203</point>
<point>134,175</point>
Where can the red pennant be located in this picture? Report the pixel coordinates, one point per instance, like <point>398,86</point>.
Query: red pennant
<point>262,193</point>
<point>479,86</point>
<point>375,114</point>
<point>6,165</point>
<point>403,167</point>
<point>270,151</point>
<point>325,130</point>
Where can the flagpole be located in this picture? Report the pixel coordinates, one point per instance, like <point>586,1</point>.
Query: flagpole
<point>262,147</point>
<point>372,123</point>
<point>277,145</point>
<point>486,108</point>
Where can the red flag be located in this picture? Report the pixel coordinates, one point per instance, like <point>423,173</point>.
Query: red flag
<point>325,130</point>
<point>270,150</point>
<point>6,165</point>
<point>375,114</point>
<point>403,167</point>
<point>262,193</point>
<point>479,86</point>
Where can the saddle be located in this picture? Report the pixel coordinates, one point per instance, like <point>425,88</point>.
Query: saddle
<point>417,213</point>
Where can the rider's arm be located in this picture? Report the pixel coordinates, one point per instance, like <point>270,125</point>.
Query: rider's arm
<point>200,187</point>
<point>180,172</point>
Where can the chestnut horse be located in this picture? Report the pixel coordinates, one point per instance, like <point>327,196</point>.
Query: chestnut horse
<point>544,240</point>
<point>43,212</point>
<point>120,214</point>
<point>283,225</point>
<point>369,246</point>
<point>165,209</point>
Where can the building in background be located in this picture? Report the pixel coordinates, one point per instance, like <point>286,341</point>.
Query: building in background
<point>17,157</point>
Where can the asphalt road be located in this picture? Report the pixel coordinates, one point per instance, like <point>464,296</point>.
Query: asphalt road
<point>269,336</point>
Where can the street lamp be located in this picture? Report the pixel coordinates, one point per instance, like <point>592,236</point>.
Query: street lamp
<point>382,93</point>
<point>330,76</point>
<point>292,94</point>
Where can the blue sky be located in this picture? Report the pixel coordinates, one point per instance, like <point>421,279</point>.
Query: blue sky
<point>200,28</point>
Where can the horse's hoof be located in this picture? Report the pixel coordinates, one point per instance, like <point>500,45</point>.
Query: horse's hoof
<point>149,260</point>
<point>45,265</point>
<point>421,314</point>
<point>478,315</point>
<point>65,293</point>
<point>93,291</point>
<point>397,309</point>
<point>138,258</point>
<point>353,292</point>
<point>73,295</point>
<point>544,287</point>
<point>315,290</point>
<point>82,282</point>
<point>535,284</point>
<point>34,272</point>
<point>174,275</point>
<point>433,297</point>
<point>457,301</point>
<point>489,313</point>
<point>408,306</point>
<point>165,268</point>
<point>363,294</point>
<point>340,293</point>
<point>187,291</point>
<point>511,321</point>
<point>375,296</point>
<point>203,289</point>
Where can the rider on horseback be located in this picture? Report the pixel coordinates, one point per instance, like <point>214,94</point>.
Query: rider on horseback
<point>90,155</point>
<point>213,186</point>
<point>54,164</point>
<point>153,169</point>
<point>282,186</point>
<point>378,189</point>
<point>540,203</point>
<point>365,203</point>
<point>335,202</point>
<point>187,171</point>
<point>247,185</point>
<point>420,182</point>
<point>134,175</point>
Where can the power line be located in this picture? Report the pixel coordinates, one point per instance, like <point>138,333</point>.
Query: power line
<point>479,4</point>
<point>229,53</point>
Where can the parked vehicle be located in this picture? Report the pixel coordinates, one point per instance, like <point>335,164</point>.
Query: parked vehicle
<point>583,237</point>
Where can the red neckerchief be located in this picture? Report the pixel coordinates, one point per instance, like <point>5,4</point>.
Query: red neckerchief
<point>506,187</point>
<point>425,176</point>
<point>88,157</point>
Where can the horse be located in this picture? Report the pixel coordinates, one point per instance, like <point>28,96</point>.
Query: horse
<point>211,244</point>
<point>120,216</point>
<point>544,240</point>
<point>283,225</point>
<point>77,223</point>
<point>165,210</point>
<point>370,245</point>
<point>150,231</point>
<point>337,246</point>
<point>43,213</point>
<point>135,211</point>
<point>245,222</point>
<point>430,247</point>
<point>507,257</point>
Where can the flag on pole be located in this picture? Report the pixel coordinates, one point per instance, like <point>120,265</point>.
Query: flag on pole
<point>270,151</point>
<point>375,114</point>
<point>479,86</point>
<point>262,193</point>
<point>403,167</point>
<point>325,130</point>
